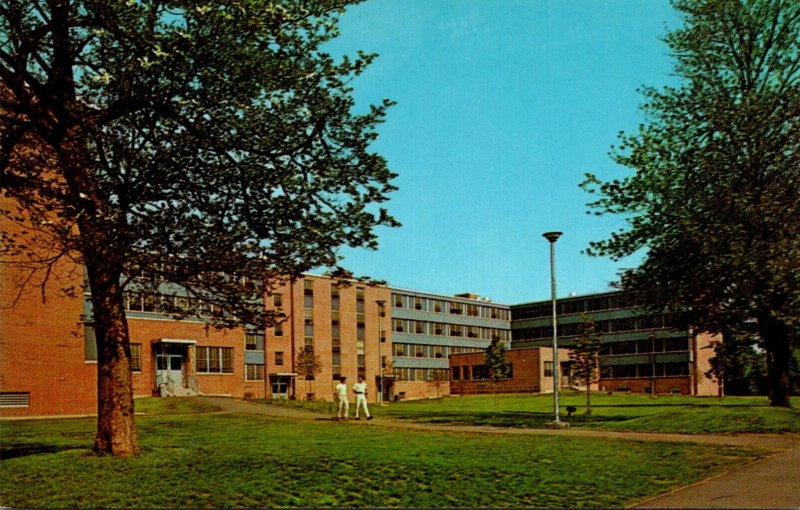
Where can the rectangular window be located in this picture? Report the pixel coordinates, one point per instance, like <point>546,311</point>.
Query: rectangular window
<point>214,360</point>
<point>136,357</point>
<point>456,373</point>
<point>278,329</point>
<point>480,372</point>
<point>89,343</point>
<point>254,341</point>
<point>279,359</point>
<point>398,301</point>
<point>253,372</point>
<point>548,369</point>
<point>277,300</point>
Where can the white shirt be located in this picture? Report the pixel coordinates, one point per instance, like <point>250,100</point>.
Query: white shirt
<point>360,387</point>
<point>341,390</point>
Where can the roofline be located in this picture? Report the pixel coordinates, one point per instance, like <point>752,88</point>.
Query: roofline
<point>569,298</point>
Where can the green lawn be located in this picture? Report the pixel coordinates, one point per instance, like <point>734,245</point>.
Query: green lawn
<point>225,460</point>
<point>689,415</point>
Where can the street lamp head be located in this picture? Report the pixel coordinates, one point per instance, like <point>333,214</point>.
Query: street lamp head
<point>380,302</point>
<point>552,236</point>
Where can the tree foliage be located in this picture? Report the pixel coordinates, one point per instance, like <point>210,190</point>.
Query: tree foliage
<point>307,364</point>
<point>585,356</point>
<point>496,363</point>
<point>715,194</point>
<point>211,145</point>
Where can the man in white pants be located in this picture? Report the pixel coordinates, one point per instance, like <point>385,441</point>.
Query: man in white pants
<point>360,389</point>
<point>340,394</point>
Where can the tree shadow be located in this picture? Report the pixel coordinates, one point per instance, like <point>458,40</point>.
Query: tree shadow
<point>12,451</point>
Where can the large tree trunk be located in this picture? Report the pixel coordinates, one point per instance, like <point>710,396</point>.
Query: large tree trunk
<point>102,249</point>
<point>777,343</point>
<point>116,427</point>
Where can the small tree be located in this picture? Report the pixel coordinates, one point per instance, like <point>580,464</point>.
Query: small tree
<point>585,356</point>
<point>308,365</point>
<point>496,363</point>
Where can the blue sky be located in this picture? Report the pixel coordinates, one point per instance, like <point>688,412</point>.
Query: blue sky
<point>503,105</point>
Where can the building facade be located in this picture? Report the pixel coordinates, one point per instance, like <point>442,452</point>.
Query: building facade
<point>529,371</point>
<point>427,329</point>
<point>641,352</point>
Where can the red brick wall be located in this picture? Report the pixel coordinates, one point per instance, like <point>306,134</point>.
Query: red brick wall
<point>42,340</point>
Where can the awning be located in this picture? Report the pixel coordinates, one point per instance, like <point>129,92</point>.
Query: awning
<point>174,341</point>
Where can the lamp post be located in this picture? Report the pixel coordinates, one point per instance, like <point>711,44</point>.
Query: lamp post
<point>381,304</point>
<point>552,237</point>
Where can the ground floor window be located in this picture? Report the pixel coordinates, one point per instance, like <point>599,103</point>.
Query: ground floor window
<point>136,357</point>
<point>253,372</point>
<point>211,360</point>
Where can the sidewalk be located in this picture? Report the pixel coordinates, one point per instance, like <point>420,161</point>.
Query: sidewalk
<point>772,482</point>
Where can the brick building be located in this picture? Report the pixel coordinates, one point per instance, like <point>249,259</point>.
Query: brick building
<point>530,371</point>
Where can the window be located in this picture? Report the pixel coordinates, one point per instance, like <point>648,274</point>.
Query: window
<point>136,357</point>
<point>89,343</point>
<point>253,372</point>
<point>480,372</point>
<point>215,360</point>
<point>279,359</point>
<point>254,341</point>
<point>278,329</point>
<point>548,369</point>
<point>456,373</point>
<point>277,300</point>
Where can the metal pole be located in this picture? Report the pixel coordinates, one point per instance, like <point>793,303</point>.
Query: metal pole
<point>380,350</point>
<point>552,237</point>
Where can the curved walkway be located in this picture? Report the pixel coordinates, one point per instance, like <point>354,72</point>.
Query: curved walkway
<point>771,482</point>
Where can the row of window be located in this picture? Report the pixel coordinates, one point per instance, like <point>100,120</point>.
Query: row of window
<point>477,372</point>
<point>449,307</point>
<point>647,346</point>
<point>165,303</point>
<point>603,326</point>
<point>421,374</point>
<point>430,351</point>
<point>454,330</point>
<point>612,302</point>
<point>645,370</point>
<point>214,360</point>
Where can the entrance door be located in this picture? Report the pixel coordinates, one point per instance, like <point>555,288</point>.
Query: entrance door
<point>280,386</point>
<point>169,370</point>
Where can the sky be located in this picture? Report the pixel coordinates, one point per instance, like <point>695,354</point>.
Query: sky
<point>502,107</point>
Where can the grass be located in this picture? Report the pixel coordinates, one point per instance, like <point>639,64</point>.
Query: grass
<point>226,460</point>
<point>679,414</point>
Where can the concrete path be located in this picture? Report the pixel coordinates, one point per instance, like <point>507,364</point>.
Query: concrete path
<point>772,482</point>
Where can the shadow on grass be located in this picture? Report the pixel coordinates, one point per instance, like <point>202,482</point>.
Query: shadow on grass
<point>14,451</point>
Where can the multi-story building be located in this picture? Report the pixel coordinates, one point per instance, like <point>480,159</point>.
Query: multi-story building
<point>428,328</point>
<point>641,352</point>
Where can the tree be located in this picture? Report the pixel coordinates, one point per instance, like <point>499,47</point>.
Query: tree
<point>496,363</point>
<point>739,366</point>
<point>308,365</point>
<point>714,199</point>
<point>585,356</point>
<point>209,144</point>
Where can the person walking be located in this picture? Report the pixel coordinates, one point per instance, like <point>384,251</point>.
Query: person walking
<point>360,389</point>
<point>340,394</point>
